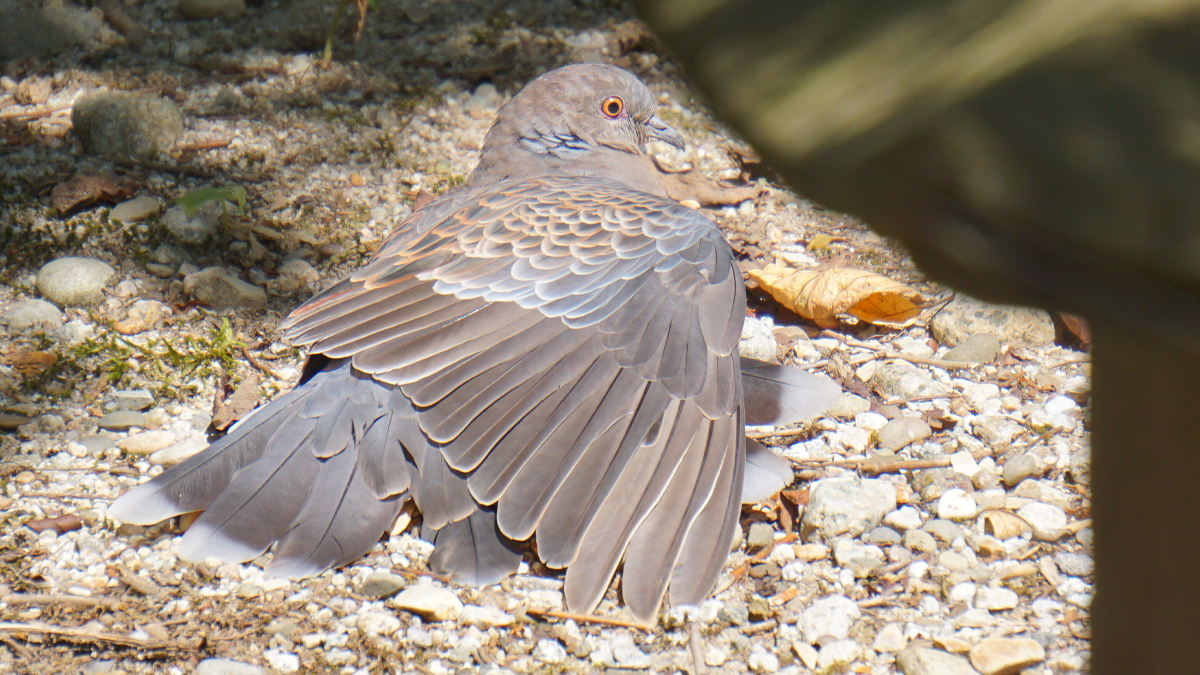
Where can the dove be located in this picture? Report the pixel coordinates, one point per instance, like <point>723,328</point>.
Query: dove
<point>547,352</point>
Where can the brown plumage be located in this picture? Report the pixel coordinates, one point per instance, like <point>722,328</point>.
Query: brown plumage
<point>548,351</point>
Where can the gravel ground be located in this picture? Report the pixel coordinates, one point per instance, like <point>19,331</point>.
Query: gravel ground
<point>948,529</point>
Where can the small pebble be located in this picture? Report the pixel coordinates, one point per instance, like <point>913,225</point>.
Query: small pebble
<point>120,420</point>
<point>73,281</point>
<point>1006,656</point>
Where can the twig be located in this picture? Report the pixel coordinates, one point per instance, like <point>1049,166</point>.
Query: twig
<point>60,495</point>
<point>589,618</point>
<point>257,364</point>
<point>889,354</point>
<point>87,635</point>
<point>1071,362</point>
<point>33,114</point>
<point>880,601</point>
<point>57,599</point>
<point>695,645</point>
<point>739,571</point>
<point>777,433</point>
<point>203,145</point>
<point>760,627</point>
<point>16,647</point>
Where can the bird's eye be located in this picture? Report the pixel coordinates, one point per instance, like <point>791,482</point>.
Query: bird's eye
<point>612,107</point>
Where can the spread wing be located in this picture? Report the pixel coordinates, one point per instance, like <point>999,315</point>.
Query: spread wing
<point>569,345</point>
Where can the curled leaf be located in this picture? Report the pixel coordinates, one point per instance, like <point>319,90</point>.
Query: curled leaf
<point>1003,524</point>
<point>60,524</point>
<point>823,294</point>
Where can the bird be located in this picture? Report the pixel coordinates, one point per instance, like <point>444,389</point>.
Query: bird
<point>547,352</point>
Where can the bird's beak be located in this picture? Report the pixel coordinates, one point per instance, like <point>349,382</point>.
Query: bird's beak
<point>659,131</point>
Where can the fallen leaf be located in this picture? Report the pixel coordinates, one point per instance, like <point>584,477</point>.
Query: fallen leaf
<point>822,294</point>
<point>820,241</point>
<point>28,364</point>
<point>244,399</point>
<point>1003,524</point>
<point>1078,327</point>
<point>89,188</point>
<point>60,524</point>
<point>688,185</point>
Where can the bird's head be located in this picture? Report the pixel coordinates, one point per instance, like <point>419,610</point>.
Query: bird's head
<point>587,119</point>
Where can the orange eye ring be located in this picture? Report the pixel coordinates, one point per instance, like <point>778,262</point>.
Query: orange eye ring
<point>612,107</point>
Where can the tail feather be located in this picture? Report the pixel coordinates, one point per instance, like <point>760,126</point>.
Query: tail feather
<point>784,395</point>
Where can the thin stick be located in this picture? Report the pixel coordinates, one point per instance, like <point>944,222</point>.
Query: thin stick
<point>760,627</point>
<point>57,599</point>
<point>203,145</point>
<point>589,618</point>
<point>87,635</point>
<point>889,354</point>
<point>782,433</point>
<point>257,364</point>
<point>34,114</point>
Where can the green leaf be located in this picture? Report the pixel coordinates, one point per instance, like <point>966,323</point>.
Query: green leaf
<point>197,198</point>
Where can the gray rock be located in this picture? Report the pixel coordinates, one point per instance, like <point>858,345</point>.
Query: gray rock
<point>981,348</point>
<point>171,256</point>
<point>47,30</point>
<point>226,667</point>
<point>884,536</point>
<point>848,405</point>
<point>381,584</point>
<point>761,535</point>
<point>283,627</point>
<point>943,529</point>
<point>830,616</point>
<point>211,9</point>
<point>1018,468</point>
<point>1002,656</point>
<point>295,275</point>
<point>74,282</point>
<point>138,208</point>
<point>735,613</point>
<point>120,420</point>
<point>995,430</point>
<point>904,380</point>
<point>965,317</point>
<point>10,421</point>
<point>1075,564</point>
<point>925,661</point>
<point>202,227</point>
<point>219,288</point>
<point>125,124</point>
<point>919,541</point>
<point>31,316</point>
<point>1043,491</point>
<point>861,559</point>
<point>901,432</point>
<point>846,507</point>
<point>97,443</point>
<point>758,341</point>
<point>160,271</point>
<point>132,399</point>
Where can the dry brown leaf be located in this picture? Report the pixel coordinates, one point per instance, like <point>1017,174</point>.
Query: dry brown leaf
<point>29,364</point>
<point>688,185</point>
<point>1003,524</point>
<point>88,188</point>
<point>243,400</point>
<point>822,294</point>
<point>60,524</point>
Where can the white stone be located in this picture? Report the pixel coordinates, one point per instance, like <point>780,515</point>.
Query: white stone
<point>842,651</point>
<point>762,661</point>
<point>549,651</point>
<point>956,504</point>
<point>281,661</point>
<point>994,599</point>
<point>431,603</point>
<point>870,420</point>
<point>903,518</point>
<point>828,616</point>
<point>485,616</point>
<point>962,462</point>
<point>378,623</point>
<point>890,639</point>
